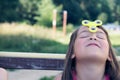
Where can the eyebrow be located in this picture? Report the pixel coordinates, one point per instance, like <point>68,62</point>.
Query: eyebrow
<point>100,32</point>
<point>83,31</point>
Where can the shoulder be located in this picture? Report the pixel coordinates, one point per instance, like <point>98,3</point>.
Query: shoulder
<point>58,77</point>
<point>2,69</point>
<point>3,74</point>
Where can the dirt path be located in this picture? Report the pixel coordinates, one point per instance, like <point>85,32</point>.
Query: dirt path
<point>30,74</point>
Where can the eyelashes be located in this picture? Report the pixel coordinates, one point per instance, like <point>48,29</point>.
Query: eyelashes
<point>83,36</point>
<point>101,36</point>
<point>98,35</point>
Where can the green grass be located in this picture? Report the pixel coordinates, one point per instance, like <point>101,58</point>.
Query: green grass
<point>47,78</point>
<point>21,43</point>
<point>26,38</point>
<point>115,40</point>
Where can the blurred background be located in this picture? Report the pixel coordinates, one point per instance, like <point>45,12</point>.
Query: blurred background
<point>27,25</point>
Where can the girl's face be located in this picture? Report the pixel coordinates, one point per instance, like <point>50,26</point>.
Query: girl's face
<point>91,46</point>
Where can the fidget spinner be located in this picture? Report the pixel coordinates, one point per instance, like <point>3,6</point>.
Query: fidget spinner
<point>92,25</point>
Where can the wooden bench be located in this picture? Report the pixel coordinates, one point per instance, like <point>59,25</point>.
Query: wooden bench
<point>38,61</point>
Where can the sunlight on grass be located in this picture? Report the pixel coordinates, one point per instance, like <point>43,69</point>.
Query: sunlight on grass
<point>34,31</point>
<point>26,38</point>
<point>23,37</point>
<point>115,38</point>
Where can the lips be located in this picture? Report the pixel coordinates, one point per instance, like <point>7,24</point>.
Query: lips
<point>93,44</point>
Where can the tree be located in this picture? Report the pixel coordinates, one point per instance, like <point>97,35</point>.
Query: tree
<point>74,11</point>
<point>45,12</point>
<point>81,9</point>
<point>86,9</point>
<point>28,10</point>
<point>9,10</point>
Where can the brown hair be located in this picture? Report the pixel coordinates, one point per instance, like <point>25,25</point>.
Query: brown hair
<point>111,68</point>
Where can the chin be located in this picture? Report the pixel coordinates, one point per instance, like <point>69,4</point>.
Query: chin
<point>90,59</point>
<point>96,56</point>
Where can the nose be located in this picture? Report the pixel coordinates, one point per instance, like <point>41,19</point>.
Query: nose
<point>93,37</point>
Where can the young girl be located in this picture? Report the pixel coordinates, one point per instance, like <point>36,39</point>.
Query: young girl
<point>90,55</point>
<point>3,74</point>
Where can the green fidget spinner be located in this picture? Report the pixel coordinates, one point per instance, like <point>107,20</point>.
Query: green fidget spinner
<point>92,25</point>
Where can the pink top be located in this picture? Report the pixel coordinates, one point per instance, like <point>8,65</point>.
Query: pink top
<point>74,76</point>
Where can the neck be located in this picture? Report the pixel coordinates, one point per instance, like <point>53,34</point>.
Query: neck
<point>90,71</point>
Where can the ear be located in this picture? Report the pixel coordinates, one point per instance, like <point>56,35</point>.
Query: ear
<point>73,56</point>
<point>109,57</point>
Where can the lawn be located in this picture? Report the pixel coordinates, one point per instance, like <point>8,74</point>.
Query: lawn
<point>27,38</point>
<point>115,40</point>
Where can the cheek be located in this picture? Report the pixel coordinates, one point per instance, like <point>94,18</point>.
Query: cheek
<point>78,47</point>
<point>105,46</point>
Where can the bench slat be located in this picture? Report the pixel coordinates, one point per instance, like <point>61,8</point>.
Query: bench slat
<point>31,63</point>
<point>41,61</point>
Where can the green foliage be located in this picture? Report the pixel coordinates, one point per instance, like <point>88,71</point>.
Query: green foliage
<point>92,9</point>
<point>70,28</point>
<point>45,12</point>
<point>47,78</point>
<point>74,11</point>
<point>9,10</point>
<point>24,38</point>
<point>28,10</point>
<point>103,17</point>
<point>40,11</point>
<point>111,4</point>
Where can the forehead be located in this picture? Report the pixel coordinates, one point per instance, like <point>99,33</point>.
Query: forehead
<point>84,28</point>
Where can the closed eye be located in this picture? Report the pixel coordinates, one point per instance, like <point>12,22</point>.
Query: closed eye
<point>84,34</point>
<point>101,35</point>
